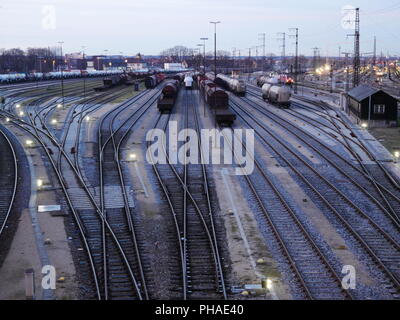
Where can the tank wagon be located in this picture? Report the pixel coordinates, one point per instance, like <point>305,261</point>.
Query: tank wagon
<point>188,82</point>
<point>279,95</point>
<point>234,85</point>
<point>279,79</point>
<point>168,96</point>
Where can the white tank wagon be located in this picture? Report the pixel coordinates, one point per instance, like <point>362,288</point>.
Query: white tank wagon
<point>235,85</point>
<point>276,94</point>
<point>188,82</point>
<point>12,77</point>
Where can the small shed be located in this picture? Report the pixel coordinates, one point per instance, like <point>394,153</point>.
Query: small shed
<point>372,104</point>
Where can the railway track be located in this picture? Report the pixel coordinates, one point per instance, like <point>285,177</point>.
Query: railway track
<point>367,178</point>
<point>316,276</point>
<point>381,246</point>
<point>380,176</point>
<point>85,210</point>
<point>186,188</point>
<point>111,136</point>
<point>8,180</point>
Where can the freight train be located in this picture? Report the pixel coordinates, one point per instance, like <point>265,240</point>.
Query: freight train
<point>151,82</point>
<point>234,85</point>
<point>116,80</point>
<point>168,96</point>
<point>217,99</point>
<point>280,78</point>
<point>57,75</point>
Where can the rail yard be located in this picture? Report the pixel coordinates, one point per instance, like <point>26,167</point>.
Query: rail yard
<point>198,176</point>
<point>322,195</point>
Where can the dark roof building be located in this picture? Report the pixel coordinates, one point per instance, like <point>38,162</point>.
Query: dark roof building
<point>369,103</point>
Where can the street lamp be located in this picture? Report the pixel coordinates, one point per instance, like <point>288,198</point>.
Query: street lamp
<point>215,71</point>
<point>215,45</point>
<point>84,76</point>
<point>396,156</point>
<point>105,56</point>
<point>204,52</point>
<point>199,45</point>
<point>132,157</point>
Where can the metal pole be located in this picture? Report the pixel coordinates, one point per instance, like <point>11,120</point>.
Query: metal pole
<point>296,61</point>
<point>215,71</point>
<point>62,74</point>
<point>204,52</point>
<point>84,76</point>
<point>369,111</point>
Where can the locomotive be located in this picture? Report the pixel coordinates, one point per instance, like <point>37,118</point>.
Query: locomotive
<point>234,85</point>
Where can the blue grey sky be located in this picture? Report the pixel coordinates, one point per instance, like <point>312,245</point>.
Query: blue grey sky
<point>149,26</point>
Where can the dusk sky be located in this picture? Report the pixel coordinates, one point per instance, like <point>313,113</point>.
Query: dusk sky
<point>151,26</point>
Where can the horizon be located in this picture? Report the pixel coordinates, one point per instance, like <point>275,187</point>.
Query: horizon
<point>128,28</point>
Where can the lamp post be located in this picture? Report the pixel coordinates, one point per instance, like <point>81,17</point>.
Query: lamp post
<point>215,45</point>
<point>62,74</point>
<point>204,52</point>
<point>105,57</point>
<point>215,72</point>
<point>84,76</point>
<point>199,45</point>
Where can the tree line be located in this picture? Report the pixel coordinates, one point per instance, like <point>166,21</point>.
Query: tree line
<point>30,60</point>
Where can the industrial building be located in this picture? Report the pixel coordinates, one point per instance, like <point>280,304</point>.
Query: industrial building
<point>374,105</point>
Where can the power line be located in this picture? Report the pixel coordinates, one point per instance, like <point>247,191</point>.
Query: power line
<point>296,61</point>
<point>282,38</point>
<point>356,59</point>
<point>263,40</point>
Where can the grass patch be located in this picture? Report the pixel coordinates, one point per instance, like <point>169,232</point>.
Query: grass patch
<point>131,93</point>
<point>389,137</point>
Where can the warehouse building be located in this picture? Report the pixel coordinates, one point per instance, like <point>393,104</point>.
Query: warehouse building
<point>374,106</point>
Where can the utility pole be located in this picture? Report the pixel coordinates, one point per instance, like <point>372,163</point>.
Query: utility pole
<point>356,59</point>
<point>105,58</point>
<point>84,76</point>
<point>215,71</point>
<point>356,75</point>
<point>263,35</point>
<point>282,37</point>
<point>296,61</point>
<point>249,64</point>
<point>240,61</point>
<point>234,55</point>
<point>315,50</point>
<point>215,45</point>
<point>374,58</point>
<point>62,74</point>
<point>347,54</point>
